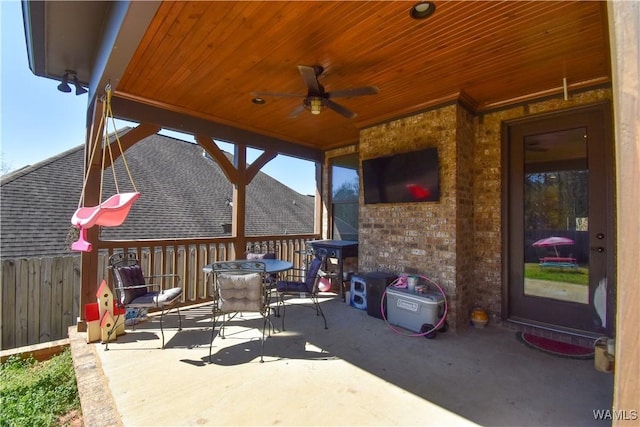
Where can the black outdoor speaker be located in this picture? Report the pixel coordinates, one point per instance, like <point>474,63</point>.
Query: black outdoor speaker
<point>377,282</point>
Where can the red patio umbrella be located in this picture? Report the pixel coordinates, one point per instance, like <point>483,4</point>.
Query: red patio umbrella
<point>553,241</point>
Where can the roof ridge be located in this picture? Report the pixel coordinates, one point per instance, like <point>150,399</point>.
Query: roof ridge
<point>26,170</point>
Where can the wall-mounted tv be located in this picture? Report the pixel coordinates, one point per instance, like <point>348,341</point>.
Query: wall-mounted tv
<point>402,178</point>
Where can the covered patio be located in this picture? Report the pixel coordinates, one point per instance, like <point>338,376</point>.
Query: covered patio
<point>450,76</point>
<point>358,372</point>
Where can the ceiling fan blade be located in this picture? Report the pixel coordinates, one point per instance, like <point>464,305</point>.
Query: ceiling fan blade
<point>357,91</point>
<point>288,95</point>
<point>310,78</point>
<point>340,109</point>
<point>296,112</point>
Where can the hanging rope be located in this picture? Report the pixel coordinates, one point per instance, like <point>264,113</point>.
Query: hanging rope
<point>113,122</point>
<point>115,209</point>
<point>107,113</point>
<point>93,144</point>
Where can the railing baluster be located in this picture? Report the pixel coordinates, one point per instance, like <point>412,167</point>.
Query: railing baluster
<point>184,257</point>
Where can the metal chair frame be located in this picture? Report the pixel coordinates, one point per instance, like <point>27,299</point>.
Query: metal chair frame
<point>262,248</point>
<point>239,268</point>
<point>127,259</point>
<point>312,294</point>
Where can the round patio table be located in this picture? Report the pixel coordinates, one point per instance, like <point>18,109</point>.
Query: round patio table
<point>271,265</point>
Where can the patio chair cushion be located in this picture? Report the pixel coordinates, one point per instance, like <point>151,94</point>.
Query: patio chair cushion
<point>258,257</point>
<point>307,285</point>
<point>240,292</point>
<point>156,299</point>
<point>131,275</point>
<point>291,286</point>
<point>254,257</point>
<point>312,274</point>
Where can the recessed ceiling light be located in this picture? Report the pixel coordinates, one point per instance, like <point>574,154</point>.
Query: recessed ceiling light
<point>258,101</point>
<point>422,10</point>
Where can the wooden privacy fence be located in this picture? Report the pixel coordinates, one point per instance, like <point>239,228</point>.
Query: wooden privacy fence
<point>40,297</point>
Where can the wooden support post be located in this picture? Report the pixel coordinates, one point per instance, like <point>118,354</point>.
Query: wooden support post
<point>128,140</point>
<point>317,223</point>
<point>624,33</point>
<point>239,200</point>
<point>240,175</point>
<point>89,260</point>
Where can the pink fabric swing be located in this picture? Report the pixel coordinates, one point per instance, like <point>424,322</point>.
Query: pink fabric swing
<point>113,211</point>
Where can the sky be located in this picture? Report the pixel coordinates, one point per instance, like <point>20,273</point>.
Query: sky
<point>37,121</point>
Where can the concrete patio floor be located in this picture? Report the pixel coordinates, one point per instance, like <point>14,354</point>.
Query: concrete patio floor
<point>358,372</point>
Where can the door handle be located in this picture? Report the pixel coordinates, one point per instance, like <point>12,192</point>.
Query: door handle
<point>597,248</point>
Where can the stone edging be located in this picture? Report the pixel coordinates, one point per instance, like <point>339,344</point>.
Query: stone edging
<point>98,406</point>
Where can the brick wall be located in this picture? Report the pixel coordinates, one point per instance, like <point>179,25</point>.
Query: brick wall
<point>464,289</point>
<point>420,237</point>
<point>457,241</point>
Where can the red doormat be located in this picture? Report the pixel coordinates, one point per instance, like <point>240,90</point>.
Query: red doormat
<point>557,348</point>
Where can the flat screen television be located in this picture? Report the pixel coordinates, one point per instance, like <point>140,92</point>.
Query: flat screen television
<point>402,178</point>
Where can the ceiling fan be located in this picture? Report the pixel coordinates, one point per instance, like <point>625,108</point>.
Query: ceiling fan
<point>316,98</point>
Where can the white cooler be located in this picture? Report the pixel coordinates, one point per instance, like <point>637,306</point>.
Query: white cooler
<point>411,310</point>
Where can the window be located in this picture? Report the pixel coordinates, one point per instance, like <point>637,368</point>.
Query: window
<point>345,189</point>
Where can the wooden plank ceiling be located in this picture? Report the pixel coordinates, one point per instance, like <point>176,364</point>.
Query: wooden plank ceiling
<point>206,58</point>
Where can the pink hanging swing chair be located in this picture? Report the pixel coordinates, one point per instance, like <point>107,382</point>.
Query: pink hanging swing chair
<point>113,211</point>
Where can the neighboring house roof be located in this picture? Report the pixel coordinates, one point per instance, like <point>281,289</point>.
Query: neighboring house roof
<point>179,199</point>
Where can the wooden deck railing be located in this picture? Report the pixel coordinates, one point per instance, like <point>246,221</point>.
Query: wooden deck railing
<point>40,297</point>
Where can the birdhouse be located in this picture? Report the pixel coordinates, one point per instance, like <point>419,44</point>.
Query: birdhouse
<point>104,315</point>
<point>105,298</point>
<point>92,316</point>
<point>107,324</point>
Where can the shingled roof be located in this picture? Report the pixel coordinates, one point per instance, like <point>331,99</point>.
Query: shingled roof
<point>184,194</point>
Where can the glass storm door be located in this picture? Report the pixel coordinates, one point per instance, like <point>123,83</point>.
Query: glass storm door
<point>560,236</point>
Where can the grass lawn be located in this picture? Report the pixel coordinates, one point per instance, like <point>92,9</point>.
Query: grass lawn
<point>38,393</point>
<point>578,276</point>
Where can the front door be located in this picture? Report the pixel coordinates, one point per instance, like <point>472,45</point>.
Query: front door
<point>559,227</point>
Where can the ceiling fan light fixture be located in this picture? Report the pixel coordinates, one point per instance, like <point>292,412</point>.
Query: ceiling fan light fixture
<point>315,104</point>
<point>317,99</point>
<point>422,10</point>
